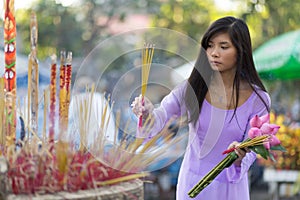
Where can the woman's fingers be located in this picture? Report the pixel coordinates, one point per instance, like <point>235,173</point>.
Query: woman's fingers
<point>240,152</point>
<point>233,145</point>
<point>137,106</point>
<point>141,106</point>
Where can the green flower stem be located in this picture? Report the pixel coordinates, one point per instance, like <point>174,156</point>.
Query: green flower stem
<point>210,176</point>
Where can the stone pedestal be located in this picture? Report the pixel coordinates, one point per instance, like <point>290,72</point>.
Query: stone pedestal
<point>130,190</point>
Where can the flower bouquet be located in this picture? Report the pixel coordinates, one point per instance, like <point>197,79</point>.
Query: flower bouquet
<point>289,135</point>
<point>261,139</point>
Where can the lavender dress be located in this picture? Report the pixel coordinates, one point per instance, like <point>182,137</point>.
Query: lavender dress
<point>213,133</point>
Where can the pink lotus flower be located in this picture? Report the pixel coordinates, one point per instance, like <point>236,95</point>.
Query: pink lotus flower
<point>260,126</point>
<point>257,121</point>
<point>269,129</point>
<point>274,141</point>
<point>265,118</point>
<point>267,145</point>
<point>254,132</point>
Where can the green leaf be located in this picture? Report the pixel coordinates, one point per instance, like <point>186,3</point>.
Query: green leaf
<point>261,150</point>
<point>272,157</point>
<point>278,148</point>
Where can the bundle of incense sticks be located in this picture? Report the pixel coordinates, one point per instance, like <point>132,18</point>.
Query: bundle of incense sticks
<point>132,159</point>
<point>92,114</point>
<point>147,55</point>
<point>10,71</point>
<point>259,140</point>
<point>122,153</point>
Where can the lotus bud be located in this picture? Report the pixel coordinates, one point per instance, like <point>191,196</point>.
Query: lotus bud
<point>254,132</point>
<point>267,145</point>
<point>270,129</point>
<point>265,118</point>
<point>274,141</point>
<point>255,122</point>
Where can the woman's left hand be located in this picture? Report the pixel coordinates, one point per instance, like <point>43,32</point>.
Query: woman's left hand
<point>240,152</point>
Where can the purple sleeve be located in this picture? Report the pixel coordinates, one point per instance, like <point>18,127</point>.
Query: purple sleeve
<point>171,106</point>
<point>235,173</point>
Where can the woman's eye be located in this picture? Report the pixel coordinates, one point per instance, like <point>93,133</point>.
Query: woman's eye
<point>224,47</point>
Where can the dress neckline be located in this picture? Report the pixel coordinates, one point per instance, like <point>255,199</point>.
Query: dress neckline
<point>239,107</point>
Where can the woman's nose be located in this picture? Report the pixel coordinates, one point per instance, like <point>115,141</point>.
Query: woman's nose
<point>214,52</point>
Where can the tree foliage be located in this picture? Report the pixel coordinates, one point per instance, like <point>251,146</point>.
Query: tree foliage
<point>57,28</point>
<point>76,27</point>
<point>270,18</point>
<point>80,27</point>
<point>266,18</point>
<point>188,17</point>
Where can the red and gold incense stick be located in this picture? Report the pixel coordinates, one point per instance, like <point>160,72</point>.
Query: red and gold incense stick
<point>52,101</point>
<point>2,115</point>
<point>65,89</point>
<point>67,86</point>
<point>10,71</point>
<point>62,93</point>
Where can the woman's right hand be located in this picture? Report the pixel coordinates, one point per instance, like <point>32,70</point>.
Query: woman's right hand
<point>141,108</point>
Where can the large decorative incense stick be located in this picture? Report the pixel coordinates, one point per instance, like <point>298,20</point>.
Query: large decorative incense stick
<point>62,93</point>
<point>67,87</point>
<point>2,115</point>
<point>147,55</point>
<point>46,99</point>
<point>33,76</point>
<point>52,101</point>
<point>10,71</point>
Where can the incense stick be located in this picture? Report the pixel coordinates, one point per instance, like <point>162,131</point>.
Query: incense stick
<point>52,101</point>
<point>46,96</point>
<point>67,86</point>
<point>10,71</point>
<point>2,115</point>
<point>62,94</point>
<point>34,67</point>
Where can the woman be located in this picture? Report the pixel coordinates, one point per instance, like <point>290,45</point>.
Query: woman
<point>221,95</point>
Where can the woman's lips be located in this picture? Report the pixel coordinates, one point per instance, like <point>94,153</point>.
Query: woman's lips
<point>215,63</point>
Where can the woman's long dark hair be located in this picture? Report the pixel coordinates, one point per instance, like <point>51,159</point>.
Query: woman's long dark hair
<point>201,75</point>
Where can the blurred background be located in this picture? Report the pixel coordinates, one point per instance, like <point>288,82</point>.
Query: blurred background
<point>79,25</point>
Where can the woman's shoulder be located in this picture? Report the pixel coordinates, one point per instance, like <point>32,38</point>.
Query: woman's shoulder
<point>179,89</point>
<point>262,93</point>
<point>177,94</point>
<point>261,97</point>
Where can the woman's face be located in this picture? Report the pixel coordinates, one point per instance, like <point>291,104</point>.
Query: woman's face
<point>221,53</point>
